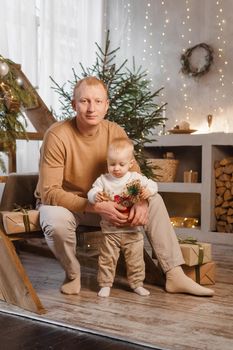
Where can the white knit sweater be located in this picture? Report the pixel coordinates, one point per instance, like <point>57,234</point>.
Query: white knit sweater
<point>115,186</point>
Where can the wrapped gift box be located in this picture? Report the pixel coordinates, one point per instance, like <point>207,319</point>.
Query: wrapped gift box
<point>196,254</point>
<point>202,274</point>
<point>21,221</point>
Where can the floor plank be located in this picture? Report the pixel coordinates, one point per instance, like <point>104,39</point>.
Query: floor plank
<point>160,320</point>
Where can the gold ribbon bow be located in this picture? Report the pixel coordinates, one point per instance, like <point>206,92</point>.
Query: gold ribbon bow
<point>191,240</point>
<point>26,220</point>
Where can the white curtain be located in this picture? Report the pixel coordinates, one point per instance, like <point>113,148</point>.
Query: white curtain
<point>18,34</point>
<point>67,34</point>
<point>48,38</point>
<point>18,42</point>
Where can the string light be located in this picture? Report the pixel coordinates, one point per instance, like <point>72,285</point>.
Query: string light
<point>220,95</point>
<point>153,55</point>
<point>148,50</point>
<point>186,40</point>
<point>163,67</point>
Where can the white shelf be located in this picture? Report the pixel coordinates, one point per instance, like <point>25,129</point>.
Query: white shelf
<point>212,237</point>
<point>216,138</point>
<point>179,187</point>
<point>196,152</point>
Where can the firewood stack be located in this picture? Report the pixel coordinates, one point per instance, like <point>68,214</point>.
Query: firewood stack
<point>224,195</point>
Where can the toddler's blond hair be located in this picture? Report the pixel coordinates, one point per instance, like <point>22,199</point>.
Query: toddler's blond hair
<point>121,144</point>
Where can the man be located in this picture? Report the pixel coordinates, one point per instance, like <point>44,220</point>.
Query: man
<point>73,155</point>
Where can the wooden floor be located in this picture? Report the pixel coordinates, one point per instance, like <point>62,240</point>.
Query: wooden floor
<point>35,335</point>
<point>162,320</point>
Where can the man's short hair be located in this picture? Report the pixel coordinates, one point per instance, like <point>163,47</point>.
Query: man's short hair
<point>91,80</point>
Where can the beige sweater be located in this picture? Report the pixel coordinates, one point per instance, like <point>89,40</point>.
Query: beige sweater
<point>71,162</point>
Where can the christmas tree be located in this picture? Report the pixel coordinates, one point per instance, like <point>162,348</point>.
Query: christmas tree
<point>14,96</point>
<point>132,104</point>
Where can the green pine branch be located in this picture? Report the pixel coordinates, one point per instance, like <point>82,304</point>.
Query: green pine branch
<point>14,97</point>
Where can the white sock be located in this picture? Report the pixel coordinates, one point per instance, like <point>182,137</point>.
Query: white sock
<point>104,292</point>
<point>178,282</point>
<point>141,291</point>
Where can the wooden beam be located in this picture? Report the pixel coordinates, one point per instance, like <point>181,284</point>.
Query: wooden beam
<point>32,136</point>
<point>15,286</point>
<point>40,116</point>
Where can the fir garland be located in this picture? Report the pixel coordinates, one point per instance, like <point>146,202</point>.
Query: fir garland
<point>15,96</point>
<point>192,71</point>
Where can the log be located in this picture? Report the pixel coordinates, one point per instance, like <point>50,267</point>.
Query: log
<point>218,172</point>
<point>226,161</point>
<point>218,201</point>
<point>228,169</point>
<point>220,190</point>
<point>224,195</point>
<point>224,177</point>
<point>227,195</point>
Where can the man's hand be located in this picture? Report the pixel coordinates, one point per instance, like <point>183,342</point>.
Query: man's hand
<point>138,215</point>
<point>110,211</point>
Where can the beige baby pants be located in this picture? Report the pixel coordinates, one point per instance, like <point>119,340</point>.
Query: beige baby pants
<point>59,226</point>
<point>131,244</point>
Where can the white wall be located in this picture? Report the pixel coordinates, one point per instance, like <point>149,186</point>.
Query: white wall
<point>156,32</point>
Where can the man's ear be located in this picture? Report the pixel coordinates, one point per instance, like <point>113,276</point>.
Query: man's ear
<point>73,104</point>
<point>107,105</point>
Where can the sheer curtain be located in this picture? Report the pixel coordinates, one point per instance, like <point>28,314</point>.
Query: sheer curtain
<point>48,38</point>
<point>18,34</point>
<point>67,34</point>
<point>18,38</point>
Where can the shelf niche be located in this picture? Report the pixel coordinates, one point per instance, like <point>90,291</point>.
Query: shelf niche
<point>190,158</point>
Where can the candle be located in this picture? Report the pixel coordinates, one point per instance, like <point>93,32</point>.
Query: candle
<point>190,176</point>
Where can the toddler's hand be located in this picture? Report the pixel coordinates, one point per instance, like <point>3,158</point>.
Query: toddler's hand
<point>145,193</point>
<point>101,196</point>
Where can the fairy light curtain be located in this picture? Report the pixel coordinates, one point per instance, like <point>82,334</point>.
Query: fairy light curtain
<point>158,32</point>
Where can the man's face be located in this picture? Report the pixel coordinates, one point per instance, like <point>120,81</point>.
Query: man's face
<point>90,103</point>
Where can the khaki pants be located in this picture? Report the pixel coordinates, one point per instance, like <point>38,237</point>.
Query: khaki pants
<point>131,244</point>
<point>59,226</point>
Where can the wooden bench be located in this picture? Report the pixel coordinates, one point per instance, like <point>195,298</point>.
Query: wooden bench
<point>15,286</point>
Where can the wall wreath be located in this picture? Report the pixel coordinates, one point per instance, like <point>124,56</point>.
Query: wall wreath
<point>191,70</point>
